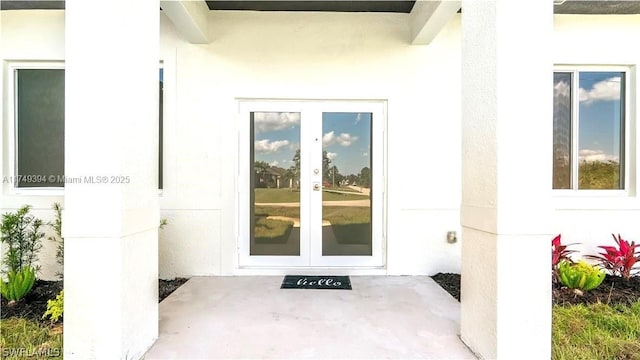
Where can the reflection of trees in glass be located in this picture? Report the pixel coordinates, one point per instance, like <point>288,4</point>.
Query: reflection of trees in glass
<point>330,173</point>
<point>599,175</point>
<point>260,169</point>
<point>292,175</point>
<point>364,178</point>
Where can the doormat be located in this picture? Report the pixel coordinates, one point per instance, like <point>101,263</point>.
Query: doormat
<point>316,282</point>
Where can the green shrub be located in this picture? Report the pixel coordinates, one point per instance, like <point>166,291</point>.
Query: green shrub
<point>21,232</point>
<point>58,239</point>
<point>580,275</point>
<point>55,307</point>
<point>19,284</point>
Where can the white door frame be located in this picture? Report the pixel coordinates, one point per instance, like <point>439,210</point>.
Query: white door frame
<point>311,201</point>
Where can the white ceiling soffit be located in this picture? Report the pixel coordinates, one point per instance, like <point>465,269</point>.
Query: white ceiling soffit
<point>190,18</point>
<point>427,18</point>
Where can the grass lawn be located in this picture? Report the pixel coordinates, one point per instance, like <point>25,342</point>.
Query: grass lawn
<point>351,225</point>
<point>286,195</point>
<point>336,215</point>
<point>596,331</point>
<point>272,231</point>
<point>26,339</point>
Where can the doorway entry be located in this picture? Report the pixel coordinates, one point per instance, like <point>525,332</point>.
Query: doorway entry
<point>311,183</point>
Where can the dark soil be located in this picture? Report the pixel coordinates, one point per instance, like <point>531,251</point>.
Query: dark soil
<point>613,290</point>
<point>34,305</point>
<point>166,287</point>
<point>450,282</point>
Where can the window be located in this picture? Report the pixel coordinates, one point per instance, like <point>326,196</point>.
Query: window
<point>589,129</point>
<point>39,128</point>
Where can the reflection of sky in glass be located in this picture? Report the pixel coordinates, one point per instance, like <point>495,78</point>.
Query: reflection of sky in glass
<point>277,137</point>
<point>346,138</point>
<point>599,130</point>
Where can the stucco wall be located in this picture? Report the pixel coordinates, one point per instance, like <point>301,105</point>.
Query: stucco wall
<point>600,40</point>
<point>322,56</point>
<point>310,56</point>
<point>29,36</point>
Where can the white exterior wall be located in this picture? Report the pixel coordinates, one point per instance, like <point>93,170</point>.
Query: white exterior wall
<point>310,56</point>
<point>600,40</point>
<point>322,56</point>
<point>28,36</point>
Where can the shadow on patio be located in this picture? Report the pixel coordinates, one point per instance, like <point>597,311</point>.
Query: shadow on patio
<point>248,317</point>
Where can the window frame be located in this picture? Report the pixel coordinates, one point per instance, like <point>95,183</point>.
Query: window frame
<point>12,132</point>
<point>11,171</point>
<point>161,122</point>
<point>627,128</point>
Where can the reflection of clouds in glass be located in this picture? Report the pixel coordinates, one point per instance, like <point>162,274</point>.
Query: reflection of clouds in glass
<point>358,118</point>
<point>562,89</point>
<point>331,155</point>
<point>343,139</point>
<point>365,154</point>
<point>271,121</point>
<point>608,89</point>
<point>589,155</point>
<point>274,163</point>
<point>268,146</point>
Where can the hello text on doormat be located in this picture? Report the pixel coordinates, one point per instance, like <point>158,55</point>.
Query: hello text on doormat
<point>316,282</point>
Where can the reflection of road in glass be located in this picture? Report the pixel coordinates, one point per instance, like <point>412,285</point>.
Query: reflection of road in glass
<point>346,228</point>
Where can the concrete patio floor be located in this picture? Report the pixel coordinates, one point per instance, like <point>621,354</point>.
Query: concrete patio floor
<point>250,317</point>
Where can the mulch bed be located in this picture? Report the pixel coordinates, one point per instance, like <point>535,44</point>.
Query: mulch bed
<point>166,287</point>
<point>613,290</point>
<point>35,303</point>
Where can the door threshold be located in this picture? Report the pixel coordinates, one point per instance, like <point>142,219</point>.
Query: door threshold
<point>310,271</point>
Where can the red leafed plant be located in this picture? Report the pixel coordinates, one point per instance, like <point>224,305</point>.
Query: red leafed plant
<point>619,261</point>
<point>559,253</point>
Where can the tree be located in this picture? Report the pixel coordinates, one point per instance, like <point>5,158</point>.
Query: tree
<point>326,167</point>
<point>260,170</point>
<point>260,166</point>
<point>293,172</point>
<point>364,178</point>
<point>353,179</point>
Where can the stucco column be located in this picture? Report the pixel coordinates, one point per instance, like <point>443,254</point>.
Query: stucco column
<point>506,178</point>
<point>111,196</point>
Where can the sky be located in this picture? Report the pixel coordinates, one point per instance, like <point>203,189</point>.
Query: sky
<point>599,114</point>
<point>345,137</point>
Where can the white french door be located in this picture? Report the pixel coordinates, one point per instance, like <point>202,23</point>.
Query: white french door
<point>311,183</point>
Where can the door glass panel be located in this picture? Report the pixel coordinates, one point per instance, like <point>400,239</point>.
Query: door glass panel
<point>275,184</point>
<point>346,182</point>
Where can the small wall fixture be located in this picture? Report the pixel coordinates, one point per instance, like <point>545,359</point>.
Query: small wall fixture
<point>451,237</point>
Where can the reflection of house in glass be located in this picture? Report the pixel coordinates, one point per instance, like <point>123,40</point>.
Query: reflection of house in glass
<point>271,177</point>
<point>562,130</point>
